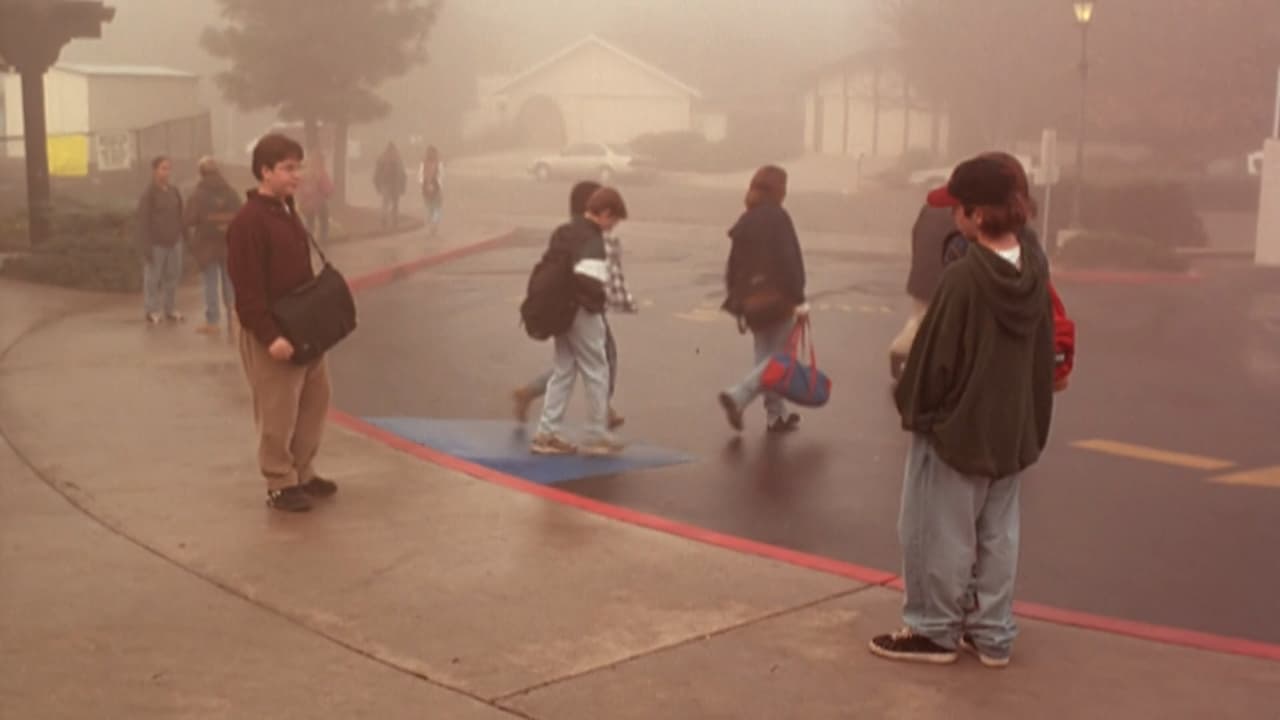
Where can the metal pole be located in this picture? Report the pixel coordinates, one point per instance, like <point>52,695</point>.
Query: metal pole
<point>1275,125</point>
<point>34,133</point>
<point>1080,136</point>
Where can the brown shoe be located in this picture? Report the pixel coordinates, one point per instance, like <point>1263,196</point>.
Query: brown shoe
<point>615,420</point>
<point>544,444</point>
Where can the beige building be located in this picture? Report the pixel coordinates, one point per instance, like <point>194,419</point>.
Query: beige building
<point>112,107</point>
<point>862,106</point>
<point>591,91</point>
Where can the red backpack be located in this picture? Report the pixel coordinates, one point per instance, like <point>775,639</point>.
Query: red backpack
<point>1064,340</point>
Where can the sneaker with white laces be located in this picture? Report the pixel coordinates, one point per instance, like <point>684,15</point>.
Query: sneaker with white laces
<point>906,645</point>
<point>548,444</point>
<point>992,661</point>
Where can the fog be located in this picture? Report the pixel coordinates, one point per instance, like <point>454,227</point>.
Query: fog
<point>878,306</point>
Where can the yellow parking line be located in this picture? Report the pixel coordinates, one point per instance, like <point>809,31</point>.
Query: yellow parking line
<point>1139,452</point>
<point>1262,477</point>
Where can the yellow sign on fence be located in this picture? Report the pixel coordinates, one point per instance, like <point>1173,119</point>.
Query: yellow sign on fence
<point>68,155</point>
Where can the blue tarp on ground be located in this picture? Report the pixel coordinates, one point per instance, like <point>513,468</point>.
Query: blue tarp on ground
<point>504,446</point>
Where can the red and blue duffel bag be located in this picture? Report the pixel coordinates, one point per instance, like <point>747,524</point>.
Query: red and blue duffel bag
<point>788,376</point>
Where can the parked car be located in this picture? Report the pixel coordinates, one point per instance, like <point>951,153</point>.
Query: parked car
<point>597,161</point>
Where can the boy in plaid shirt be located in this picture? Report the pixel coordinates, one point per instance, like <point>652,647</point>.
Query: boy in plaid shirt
<point>617,298</point>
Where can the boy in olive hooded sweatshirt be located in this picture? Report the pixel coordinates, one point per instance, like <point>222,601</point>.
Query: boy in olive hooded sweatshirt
<point>977,395</point>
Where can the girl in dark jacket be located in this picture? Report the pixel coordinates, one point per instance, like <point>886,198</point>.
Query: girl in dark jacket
<point>764,280</point>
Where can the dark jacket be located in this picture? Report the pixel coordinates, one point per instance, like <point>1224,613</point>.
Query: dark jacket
<point>932,229</point>
<point>159,218</point>
<point>979,380</point>
<point>583,242</point>
<point>209,212</point>
<point>764,242</point>
<point>268,256</point>
<point>389,175</point>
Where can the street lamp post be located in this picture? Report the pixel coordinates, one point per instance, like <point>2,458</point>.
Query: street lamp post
<point>1084,16</point>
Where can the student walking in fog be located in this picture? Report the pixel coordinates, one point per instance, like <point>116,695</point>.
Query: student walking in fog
<point>582,348</point>
<point>764,280</point>
<point>618,299</point>
<point>389,180</point>
<point>431,181</point>
<point>162,231</point>
<point>977,396</point>
<point>209,211</point>
<point>269,256</point>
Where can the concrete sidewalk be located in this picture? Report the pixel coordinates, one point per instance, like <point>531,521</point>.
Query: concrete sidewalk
<point>144,578</point>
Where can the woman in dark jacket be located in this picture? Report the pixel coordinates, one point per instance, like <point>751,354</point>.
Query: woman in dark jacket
<point>764,280</point>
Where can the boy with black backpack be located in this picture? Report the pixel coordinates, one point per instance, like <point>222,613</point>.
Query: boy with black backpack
<point>566,299</point>
<point>618,299</point>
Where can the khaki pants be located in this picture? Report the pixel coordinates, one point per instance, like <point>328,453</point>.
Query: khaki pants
<point>290,403</point>
<point>901,345</point>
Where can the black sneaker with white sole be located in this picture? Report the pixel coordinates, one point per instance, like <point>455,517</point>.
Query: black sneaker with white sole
<point>992,661</point>
<point>291,499</point>
<point>906,646</point>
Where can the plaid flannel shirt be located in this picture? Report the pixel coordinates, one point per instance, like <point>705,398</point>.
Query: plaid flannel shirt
<point>617,296</point>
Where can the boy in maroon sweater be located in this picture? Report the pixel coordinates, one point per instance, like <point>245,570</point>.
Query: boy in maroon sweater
<point>268,256</point>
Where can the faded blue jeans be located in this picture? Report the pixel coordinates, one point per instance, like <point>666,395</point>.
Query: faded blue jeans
<point>160,279</point>
<point>537,387</point>
<point>959,552</point>
<point>214,275</point>
<point>767,341</point>
<point>580,350</point>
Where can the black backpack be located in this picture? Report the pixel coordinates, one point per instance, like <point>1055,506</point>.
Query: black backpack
<point>549,304</point>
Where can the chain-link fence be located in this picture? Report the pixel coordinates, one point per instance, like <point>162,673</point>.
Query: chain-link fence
<point>105,167</point>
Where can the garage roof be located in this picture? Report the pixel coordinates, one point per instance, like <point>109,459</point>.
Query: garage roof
<point>599,42</point>
<point>124,70</point>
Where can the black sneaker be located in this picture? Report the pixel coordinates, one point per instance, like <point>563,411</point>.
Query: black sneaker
<point>291,499</point>
<point>732,412</point>
<point>907,646</point>
<point>318,487</point>
<point>968,645</point>
<point>787,424</point>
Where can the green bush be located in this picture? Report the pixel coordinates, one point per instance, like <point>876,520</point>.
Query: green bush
<point>685,151</point>
<point>1162,211</point>
<point>88,250</point>
<point>1119,251</point>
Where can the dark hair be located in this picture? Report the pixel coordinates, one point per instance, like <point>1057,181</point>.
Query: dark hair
<point>998,220</point>
<point>1022,186</point>
<point>272,150</point>
<point>768,185</point>
<point>579,196</point>
<point>157,161</point>
<point>607,200</point>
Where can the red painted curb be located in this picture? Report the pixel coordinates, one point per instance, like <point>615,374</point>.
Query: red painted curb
<point>1154,633</point>
<point>871,576</point>
<point>388,275</point>
<point>613,512</point>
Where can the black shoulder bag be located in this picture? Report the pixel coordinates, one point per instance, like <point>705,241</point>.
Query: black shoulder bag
<point>317,315</point>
